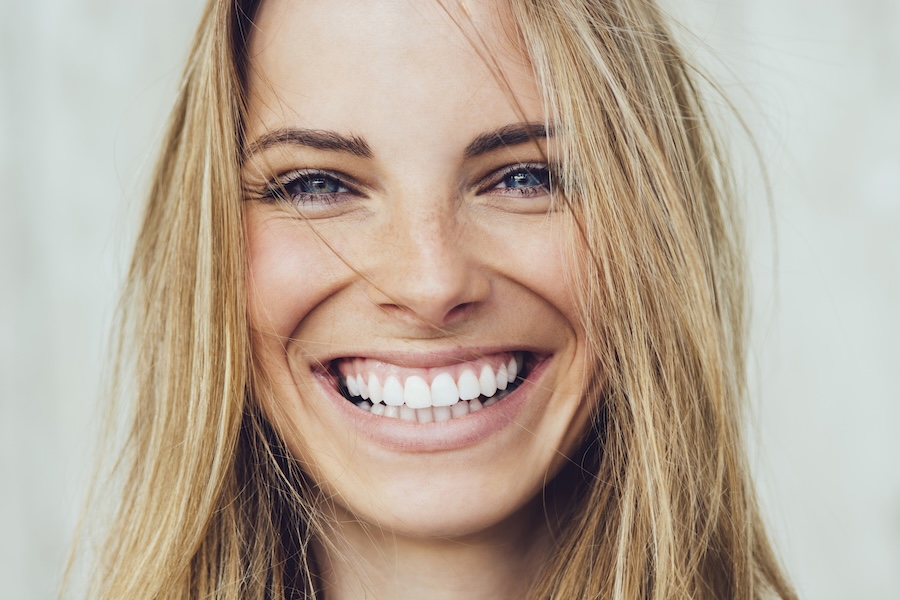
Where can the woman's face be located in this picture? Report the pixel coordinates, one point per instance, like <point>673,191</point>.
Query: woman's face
<point>403,249</point>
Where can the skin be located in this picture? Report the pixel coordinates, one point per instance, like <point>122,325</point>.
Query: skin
<point>426,253</point>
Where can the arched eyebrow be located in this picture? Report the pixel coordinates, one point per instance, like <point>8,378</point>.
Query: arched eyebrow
<point>508,135</point>
<point>320,139</point>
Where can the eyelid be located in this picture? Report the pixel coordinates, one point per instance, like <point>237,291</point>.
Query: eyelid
<point>276,189</point>
<point>487,183</point>
<point>294,174</point>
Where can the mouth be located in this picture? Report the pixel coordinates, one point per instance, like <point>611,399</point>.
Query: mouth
<point>430,394</point>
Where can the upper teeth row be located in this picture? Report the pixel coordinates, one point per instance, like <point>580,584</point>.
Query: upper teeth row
<point>415,392</point>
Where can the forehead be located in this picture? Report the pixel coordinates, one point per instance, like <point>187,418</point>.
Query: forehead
<point>379,67</point>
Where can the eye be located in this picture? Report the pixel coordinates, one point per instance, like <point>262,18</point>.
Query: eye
<point>522,180</point>
<point>525,178</point>
<point>308,187</point>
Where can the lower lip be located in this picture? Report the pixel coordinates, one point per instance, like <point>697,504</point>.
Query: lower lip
<point>405,436</point>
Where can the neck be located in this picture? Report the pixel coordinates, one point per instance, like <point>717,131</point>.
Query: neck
<point>363,561</point>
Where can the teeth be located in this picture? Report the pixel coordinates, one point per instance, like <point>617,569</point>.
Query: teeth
<point>407,413</point>
<point>442,413</point>
<point>375,393</point>
<point>352,387</point>
<point>488,382</point>
<point>429,414</point>
<point>502,380</point>
<point>444,391</point>
<point>416,393</point>
<point>468,385</point>
<point>393,391</point>
<point>413,399</point>
<point>363,387</point>
<point>460,409</point>
<point>512,369</point>
<point>425,415</point>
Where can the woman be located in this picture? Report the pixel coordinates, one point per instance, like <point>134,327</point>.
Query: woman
<point>437,300</point>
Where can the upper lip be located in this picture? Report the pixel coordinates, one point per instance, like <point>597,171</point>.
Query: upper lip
<point>427,359</point>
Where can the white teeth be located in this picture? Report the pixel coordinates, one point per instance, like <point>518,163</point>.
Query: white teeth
<point>393,391</point>
<point>413,399</point>
<point>488,382</point>
<point>416,393</point>
<point>374,386</point>
<point>468,385</point>
<point>425,415</point>
<point>460,409</point>
<point>442,413</point>
<point>436,414</point>
<point>502,380</point>
<point>363,387</point>
<point>444,391</point>
<point>351,386</point>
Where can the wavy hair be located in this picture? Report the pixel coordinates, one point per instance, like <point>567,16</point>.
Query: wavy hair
<point>211,504</point>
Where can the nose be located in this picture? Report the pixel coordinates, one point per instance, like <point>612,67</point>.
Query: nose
<point>427,269</point>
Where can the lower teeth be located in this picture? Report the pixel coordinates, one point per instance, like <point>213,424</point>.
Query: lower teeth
<point>434,413</point>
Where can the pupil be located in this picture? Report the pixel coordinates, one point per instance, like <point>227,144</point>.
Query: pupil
<point>320,185</point>
<point>524,179</point>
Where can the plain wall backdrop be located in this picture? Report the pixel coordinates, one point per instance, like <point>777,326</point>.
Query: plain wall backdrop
<point>85,86</point>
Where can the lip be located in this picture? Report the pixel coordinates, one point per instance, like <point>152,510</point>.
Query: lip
<point>404,436</point>
<point>433,359</point>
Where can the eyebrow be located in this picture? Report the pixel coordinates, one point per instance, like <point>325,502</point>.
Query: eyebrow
<point>313,138</point>
<point>508,135</point>
<point>320,139</point>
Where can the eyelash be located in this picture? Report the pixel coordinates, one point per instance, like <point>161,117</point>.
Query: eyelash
<point>540,171</point>
<point>279,189</point>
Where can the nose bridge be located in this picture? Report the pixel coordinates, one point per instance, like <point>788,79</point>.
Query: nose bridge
<point>426,271</point>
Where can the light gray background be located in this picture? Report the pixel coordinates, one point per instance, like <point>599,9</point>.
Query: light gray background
<point>84,89</point>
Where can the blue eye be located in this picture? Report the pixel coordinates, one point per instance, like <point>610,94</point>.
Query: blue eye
<point>525,178</point>
<point>522,181</point>
<point>315,183</point>
<point>308,187</point>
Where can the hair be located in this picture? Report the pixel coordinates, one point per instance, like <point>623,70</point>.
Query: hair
<point>211,504</point>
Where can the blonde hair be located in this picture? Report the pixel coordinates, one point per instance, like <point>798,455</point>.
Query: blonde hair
<point>664,505</point>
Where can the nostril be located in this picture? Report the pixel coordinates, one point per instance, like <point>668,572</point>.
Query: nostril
<point>430,299</point>
<point>430,318</point>
<point>459,312</point>
<point>432,272</point>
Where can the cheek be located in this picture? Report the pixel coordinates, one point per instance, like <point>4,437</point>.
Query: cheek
<point>555,275</point>
<point>290,272</point>
<point>538,259</point>
<point>549,277</point>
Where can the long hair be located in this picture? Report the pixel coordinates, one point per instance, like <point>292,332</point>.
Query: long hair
<point>211,503</point>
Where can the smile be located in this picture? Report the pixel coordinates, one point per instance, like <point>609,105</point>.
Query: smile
<point>427,395</point>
